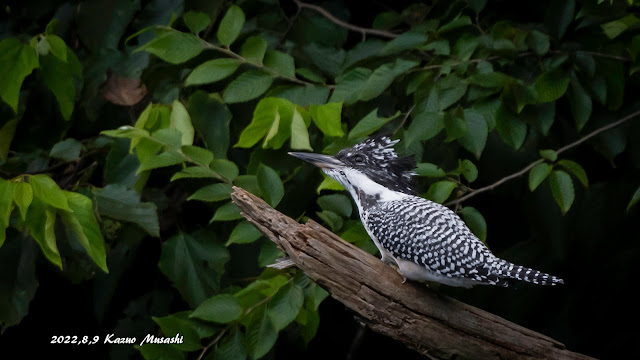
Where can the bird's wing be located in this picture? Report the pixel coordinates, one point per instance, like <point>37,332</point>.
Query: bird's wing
<point>431,235</point>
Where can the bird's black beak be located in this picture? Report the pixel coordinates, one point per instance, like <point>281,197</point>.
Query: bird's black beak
<point>319,160</point>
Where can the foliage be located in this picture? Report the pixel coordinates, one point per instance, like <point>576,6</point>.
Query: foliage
<point>140,125</point>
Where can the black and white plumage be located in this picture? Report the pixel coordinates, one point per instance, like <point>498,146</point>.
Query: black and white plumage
<point>425,240</point>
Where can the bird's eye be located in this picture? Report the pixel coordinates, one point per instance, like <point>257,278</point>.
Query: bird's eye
<point>358,159</point>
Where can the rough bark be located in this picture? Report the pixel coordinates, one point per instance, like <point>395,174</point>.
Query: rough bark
<point>434,325</point>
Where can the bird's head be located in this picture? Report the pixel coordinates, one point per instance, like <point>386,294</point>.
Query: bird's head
<point>371,160</point>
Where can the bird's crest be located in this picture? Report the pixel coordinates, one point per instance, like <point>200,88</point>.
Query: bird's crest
<point>377,158</point>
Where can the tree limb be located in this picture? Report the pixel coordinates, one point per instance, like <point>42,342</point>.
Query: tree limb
<point>346,25</point>
<point>434,325</point>
<point>559,151</point>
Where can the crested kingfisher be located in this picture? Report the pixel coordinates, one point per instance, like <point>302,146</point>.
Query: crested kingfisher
<point>424,240</point>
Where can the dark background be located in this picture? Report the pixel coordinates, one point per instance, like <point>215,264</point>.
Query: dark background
<point>594,247</point>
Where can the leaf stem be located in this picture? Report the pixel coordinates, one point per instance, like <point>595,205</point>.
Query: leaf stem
<point>232,54</point>
<point>213,342</point>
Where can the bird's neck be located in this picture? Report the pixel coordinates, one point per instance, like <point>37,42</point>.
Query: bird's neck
<point>368,193</point>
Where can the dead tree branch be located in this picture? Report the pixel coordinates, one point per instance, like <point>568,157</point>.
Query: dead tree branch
<point>434,325</point>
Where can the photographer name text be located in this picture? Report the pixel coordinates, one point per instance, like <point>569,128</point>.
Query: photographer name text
<point>113,339</point>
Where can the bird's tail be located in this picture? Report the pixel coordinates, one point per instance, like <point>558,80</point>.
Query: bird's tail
<point>507,270</point>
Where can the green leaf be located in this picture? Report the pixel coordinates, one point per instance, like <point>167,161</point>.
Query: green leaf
<point>562,189</point>
<point>468,170</point>
<point>197,154</point>
<point>357,235</point>
<point>232,348</point>
<point>404,41</point>
<point>332,219</point>
<point>57,47</point>
<point>40,222</point>
<point>454,126</point>
<point>244,233</point>
<point>165,159</point>
<point>7,132</point>
<point>550,155</point>
<point>424,126</point>
<point>254,49</point>
<point>222,309</point>
<point>126,132</point>
<point>634,199</point>
<point>337,203</point>
<point>494,79</point>
<point>310,75</point>
<point>283,64</point>
<point>179,324</point>
<point>227,169</point>
<point>299,133</point>
<point>231,25</point>
<point>7,195</point>
<point>537,175</point>
<point>174,47</point>
<point>308,321</point>
<point>440,191</point>
<point>576,170</point>
<point>195,172</point>
<point>516,96</point>
<point>369,124</point>
<point>329,183</point>
<point>196,21</point>
<point>512,130</point>
<point>270,184</point>
<point>67,150</point>
<point>181,121</point>
<point>269,253</point>
<point>212,193</point>
<point>81,225</point>
<point>17,60</point>
<point>59,78</point>
<point>119,203</point>
<point>22,196</point>
<point>212,71</point>
<point>476,223</point>
<point>285,305</point>
<point>194,265</point>
<point>261,332</point>
<point>248,86</point>
<point>383,76</point>
<point>227,212</point>
<point>349,85</point>
<point>327,118</point>
<point>550,86</point>
<point>429,170</point>
<point>475,138</point>
<point>267,115</point>
<point>211,119</point>
<point>614,28</point>
<point>538,42</point>
<point>455,23</point>
<point>45,189</point>
<point>451,90</point>
<point>580,101</point>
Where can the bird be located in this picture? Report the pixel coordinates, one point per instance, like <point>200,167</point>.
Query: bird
<point>424,240</point>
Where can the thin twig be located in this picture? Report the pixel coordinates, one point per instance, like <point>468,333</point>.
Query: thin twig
<point>232,54</point>
<point>404,118</point>
<point>609,56</point>
<point>335,20</point>
<point>212,343</point>
<point>530,166</point>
